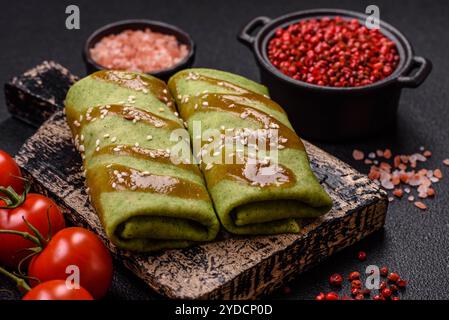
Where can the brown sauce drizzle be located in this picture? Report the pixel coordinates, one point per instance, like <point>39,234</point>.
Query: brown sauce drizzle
<point>121,178</point>
<point>138,83</point>
<point>146,154</point>
<point>126,112</point>
<point>216,102</point>
<point>131,113</point>
<point>245,98</point>
<point>255,174</point>
<point>241,93</point>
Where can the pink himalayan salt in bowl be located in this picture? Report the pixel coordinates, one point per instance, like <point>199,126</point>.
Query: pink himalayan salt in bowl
<point>139,51</point>
<point>156,48</point>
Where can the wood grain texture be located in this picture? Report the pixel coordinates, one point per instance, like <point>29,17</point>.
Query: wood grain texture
<point>232,267</point>
<point>39,92</point>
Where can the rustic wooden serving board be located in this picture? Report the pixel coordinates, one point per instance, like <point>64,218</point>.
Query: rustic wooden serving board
<point>232,267</point>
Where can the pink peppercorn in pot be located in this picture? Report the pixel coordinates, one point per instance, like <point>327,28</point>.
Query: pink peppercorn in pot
<point>337,79</point>
<point>151,47</point>
<point>332,51</point>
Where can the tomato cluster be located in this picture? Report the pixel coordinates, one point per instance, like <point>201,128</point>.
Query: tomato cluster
<point>62,263</point>
<point>10,173</point>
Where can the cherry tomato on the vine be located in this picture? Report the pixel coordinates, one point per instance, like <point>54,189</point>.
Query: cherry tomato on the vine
<point>57,290</point>
<point>37,210</point>
<point>10,173</point>
<point>84,252</point>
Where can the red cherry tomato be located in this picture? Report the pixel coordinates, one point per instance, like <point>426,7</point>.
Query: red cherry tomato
<point>34,210</point>
<point>10,173</point>
<point>57,290</point>
<point>75,247</point>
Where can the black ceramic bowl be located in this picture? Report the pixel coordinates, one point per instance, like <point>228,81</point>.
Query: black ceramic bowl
<point>330,113</point>
<point>156,26</point>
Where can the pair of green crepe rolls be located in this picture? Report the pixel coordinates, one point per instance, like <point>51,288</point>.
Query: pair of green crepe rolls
<point>146,201</point>
<point>251,194</point>
<point>122,123</point>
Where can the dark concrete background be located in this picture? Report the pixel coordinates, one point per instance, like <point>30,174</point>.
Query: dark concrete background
<point>414,244</point>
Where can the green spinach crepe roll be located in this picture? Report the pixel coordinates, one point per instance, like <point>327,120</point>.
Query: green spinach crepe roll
<point>121,124</point>
<point>250,197</point>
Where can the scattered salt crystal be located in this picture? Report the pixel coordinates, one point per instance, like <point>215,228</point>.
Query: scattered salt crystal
<point>422,195</point>
<point>437,173</point>
<point>427,154</point>
<point>387,184</point>
<point>401,172</point>
<point>358,155</point>
<point>420,205</point>
<point>420,157</point>
<point>415,181</point>
<point>422,189</point>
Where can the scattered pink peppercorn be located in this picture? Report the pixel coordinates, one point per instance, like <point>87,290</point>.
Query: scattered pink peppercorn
<point>395,298</point>
<point>355,291</point>
<point>321,296</point>
<point>388,289</point>
<point>332,296</point>
<point>335,280</point>
<point>401,283</point>
<point>361,256</point>
<point>366,292</point>
<point>387,292</point>
<point>393,277</point>
<point>394,288</point>
<point>286,290</point>
<point>359,297</point>
<point>355,275</point>
<point>356,284</point>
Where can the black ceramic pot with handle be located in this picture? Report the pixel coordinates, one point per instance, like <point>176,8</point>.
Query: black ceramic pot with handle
<point>331,113</point>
